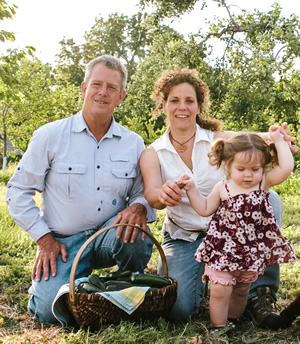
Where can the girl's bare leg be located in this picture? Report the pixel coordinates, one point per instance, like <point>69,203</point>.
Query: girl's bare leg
<point>219,301</point>
<point>238,300</point>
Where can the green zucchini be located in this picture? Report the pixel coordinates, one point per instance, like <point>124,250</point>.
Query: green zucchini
<point>119,274</point>
<point>118,284</point>
<point>96,281</point>
<point>113,285</point>
<point>150,279</point>
<point>90,288</point>
<point>80,289</point>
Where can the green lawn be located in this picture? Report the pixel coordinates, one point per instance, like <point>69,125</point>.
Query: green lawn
<point>17,253</point>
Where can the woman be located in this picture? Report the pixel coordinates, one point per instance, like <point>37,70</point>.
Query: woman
<point>183,148</point>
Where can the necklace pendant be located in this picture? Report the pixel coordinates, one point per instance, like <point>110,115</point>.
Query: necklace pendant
<point>181,149</point>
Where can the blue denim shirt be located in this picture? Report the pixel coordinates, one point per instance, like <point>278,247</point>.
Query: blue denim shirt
<point>83,182</point>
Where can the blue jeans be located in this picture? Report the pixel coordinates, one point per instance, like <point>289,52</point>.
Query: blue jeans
<point>271,276</point>
<point>188,272</point>
<point>104,251</point>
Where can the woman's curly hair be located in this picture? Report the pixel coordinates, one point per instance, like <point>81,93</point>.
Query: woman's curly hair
<point>177,76</point>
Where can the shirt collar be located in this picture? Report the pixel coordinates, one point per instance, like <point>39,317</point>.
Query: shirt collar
<point>202,134</point>
<point>80,125</point>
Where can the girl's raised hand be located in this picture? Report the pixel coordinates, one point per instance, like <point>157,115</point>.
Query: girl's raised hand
<point>276,133</point>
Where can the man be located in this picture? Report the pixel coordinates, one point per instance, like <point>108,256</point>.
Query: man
<point>87,169</point>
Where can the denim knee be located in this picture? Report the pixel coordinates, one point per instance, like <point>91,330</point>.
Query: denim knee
<point>276,206</point>
<point>188,272</point>
<point>135,256</point>
<point>41,310</point>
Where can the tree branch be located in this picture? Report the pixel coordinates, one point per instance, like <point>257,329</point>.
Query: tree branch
<point>232,29</point>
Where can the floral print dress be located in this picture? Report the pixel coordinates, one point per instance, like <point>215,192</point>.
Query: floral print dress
<point>243,235</point>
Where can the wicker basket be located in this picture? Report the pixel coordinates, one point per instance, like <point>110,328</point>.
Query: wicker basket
<point>91,310</point>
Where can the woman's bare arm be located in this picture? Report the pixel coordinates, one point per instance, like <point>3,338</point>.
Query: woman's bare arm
<point>157,194</point>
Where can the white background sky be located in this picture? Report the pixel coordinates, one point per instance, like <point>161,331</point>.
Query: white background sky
<point>43,23</point>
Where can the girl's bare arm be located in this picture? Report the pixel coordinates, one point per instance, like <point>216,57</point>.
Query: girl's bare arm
<point>204,206</point>
<point>285,161</point>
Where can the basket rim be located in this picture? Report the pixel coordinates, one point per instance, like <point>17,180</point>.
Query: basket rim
<point>94,236</point>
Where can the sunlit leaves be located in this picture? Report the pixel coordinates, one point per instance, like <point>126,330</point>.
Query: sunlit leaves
<point>6,12</point>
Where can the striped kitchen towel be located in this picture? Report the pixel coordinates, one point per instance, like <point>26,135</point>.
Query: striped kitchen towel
<point>128,299</point>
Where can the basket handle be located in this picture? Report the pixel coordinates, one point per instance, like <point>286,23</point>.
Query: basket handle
<point>93,237</point>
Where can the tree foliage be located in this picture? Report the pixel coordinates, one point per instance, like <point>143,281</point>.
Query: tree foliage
<point>40,101</point>
<point>121,36</point>
<point>252,85</point>
<point>6,12</point>
<point>253,82</point>
<point>9,91</point>
<point>170,8</point>
<point>69,68</point>
<point>257,78</point>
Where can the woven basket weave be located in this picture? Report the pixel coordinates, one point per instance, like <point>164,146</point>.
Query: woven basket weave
<point>91,310</point>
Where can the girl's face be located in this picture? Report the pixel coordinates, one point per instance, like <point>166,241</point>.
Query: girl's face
<point>246,170</point>
<point>181,106</point>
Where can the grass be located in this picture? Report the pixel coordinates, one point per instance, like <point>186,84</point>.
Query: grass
<point>17,252</point>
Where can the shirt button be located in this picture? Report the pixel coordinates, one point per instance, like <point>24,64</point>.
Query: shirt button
<point>70,168</point>
<point>98,166</point>
<point>126,174</point>
<point>98,188</point>
<point>99,209</point>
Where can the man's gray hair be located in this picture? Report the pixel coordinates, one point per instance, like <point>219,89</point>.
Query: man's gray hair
<point>110,62</point>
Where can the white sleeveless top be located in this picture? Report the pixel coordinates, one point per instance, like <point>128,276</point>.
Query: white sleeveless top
<point>182,222</point>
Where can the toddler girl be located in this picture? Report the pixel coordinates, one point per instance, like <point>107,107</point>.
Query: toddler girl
<point>243,237</point>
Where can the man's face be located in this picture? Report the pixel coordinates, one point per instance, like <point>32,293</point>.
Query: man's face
<point>102,92</point>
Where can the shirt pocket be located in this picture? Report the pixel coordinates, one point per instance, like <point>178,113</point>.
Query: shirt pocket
<point>123,173</point>
<point>69,180</point>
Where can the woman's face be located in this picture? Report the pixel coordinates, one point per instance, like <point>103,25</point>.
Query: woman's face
<point>181,107</point>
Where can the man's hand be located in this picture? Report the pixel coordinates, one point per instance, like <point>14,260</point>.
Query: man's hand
<point>136,214</point>
<point>47,254</point>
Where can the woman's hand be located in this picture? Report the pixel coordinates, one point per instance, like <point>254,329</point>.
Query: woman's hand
<point>285,130</point>
<point>170,194</point>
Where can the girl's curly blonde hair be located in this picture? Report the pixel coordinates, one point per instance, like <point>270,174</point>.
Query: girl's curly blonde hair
<point>168,79</point>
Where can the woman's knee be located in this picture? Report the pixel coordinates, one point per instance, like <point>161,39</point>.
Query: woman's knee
<point>182,312</point>
<point>276,206</point>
